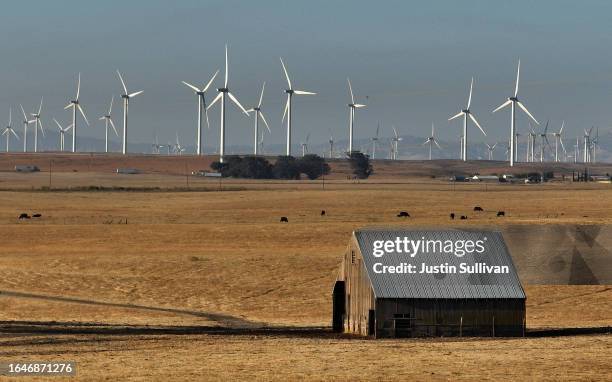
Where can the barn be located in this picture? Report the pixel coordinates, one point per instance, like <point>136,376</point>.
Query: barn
<point>415,283</point>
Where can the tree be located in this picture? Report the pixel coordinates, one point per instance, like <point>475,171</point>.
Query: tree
<point>313,166</point>
<point>360,164</point>
<point>286,167</point>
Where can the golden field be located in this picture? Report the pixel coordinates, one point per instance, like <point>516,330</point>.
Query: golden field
<point>202,284</point>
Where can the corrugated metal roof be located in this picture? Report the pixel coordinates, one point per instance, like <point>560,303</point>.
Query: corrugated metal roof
<point>440,285</point>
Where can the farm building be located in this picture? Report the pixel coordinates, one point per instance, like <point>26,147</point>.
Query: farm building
<point>409,283</point>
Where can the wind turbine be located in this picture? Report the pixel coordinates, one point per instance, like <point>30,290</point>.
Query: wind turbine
<point>74,104</point>
<point>178,148</point>
<point>108,120</point>
<point>352,106</point>
<point>577,150</point>
<point>126,104</point>
<point>394,141</point>
<point>290,92</point>
<point>490,150</point>
<point>8,130</point>
<point>432,140</point>
<point>516,145</point>
<point>559,138</point>
<point>531,139</point>
<point>305,145</point>
<point>37,125</point>
<point>156,146</point>
<point>201,108</point>
<point>331,146</point>
<point>25,122</point>
<point>223,92</point>
<point>594,145</point>
<point>62,132</point>
<point>258,114</point>
<point>261,143</point>
<point>543,139</point>
<point>467,113</point>
<point>587,145</point>
<point>375,141</point>
<point>513,102</point>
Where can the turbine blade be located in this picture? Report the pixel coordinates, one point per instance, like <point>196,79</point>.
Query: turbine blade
<point>477,124</point>
<point>394,131</point>
<point>78,87</point>
<point>135,93</point>
<point>263,87</point>
<point>456,116</point>
<point>503,105</point>
<point>10,116</point>
<point>25,117</point>
<point>207,120</point>
<point>303,92</point>
<point>231,96</point>
<point>210,81</point>
<point>68,106</point>
<point>286,108</point>
<point>359,105</point>
<point>518,73</point>
<point>426,142</point>
<point>102,118</point>
<point>265,122</point>
<point>83,113</point>
<point>218,97</point>
<point>112,125</point>
<point>40,107</point>
<point>562,145</point>
<point>286,74</point>
<point>436,143</point>
<point>110,108</point>
<point>191,86</point>
<point>527,112</point>
<point>470,96</point>
<point>122,82</point>
<point>58,124</point>
<point>351,91</point>
<point>15,134</point>
<point>226,66</point>
<point>562,126</point>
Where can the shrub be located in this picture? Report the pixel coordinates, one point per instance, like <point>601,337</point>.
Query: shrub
<point>360,164</point>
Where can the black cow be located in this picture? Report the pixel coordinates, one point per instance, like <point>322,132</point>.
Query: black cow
<point>284,219</point>
<point>36,215</point>
<point>24,216</point>
<point>403,214</point>
<point>322,212</point>
<point>501,213</point>
<point>452,215</point>
<point>463,217</point>
<point>478,208</point>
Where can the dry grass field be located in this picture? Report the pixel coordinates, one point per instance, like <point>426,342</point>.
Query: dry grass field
<point>208,285</point>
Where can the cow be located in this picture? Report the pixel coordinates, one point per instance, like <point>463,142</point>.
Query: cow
<point>322,212</point>
<point>36,215</point>
<point>24,216</point>
<point>452,216</point>
<point>478,208</point>
<point>463,217</point>
<point>403,214</point>
<point>284,219</point>
<point>501,213</point>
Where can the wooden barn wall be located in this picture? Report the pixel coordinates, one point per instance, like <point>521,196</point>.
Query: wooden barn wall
<point>359,294</point>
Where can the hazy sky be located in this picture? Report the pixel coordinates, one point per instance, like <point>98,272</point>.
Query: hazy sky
<point>413,61</point>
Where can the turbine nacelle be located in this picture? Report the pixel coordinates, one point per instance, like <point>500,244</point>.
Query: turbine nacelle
<point>289,91</point>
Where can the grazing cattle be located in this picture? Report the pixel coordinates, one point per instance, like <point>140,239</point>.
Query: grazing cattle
<point>463,217</point>
<point>403,214</point>
<point>36,215</point>
<point>501,213</point>
<point>24,216</point>
<point>284,219</point>
<point>452,215</point>
<point>322,212</point>
<point>478,208</point>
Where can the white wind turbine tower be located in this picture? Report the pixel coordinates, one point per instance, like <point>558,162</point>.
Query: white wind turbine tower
<point>331,145</point>
<point>126,104</point>
<point>531,140</point>
<point>290,92</point>
<point>375,141</point>
<point>305,145</point>
<point>37,125</point>
<point>223,92</point>
<point>394,141</point>
<point>587,145</point>
<point>200,93</point>
<point>8,130</point>
<point>467,113</point>
<point>352,106</point>
<point>577,150</point>
<point>543,140</point>
<point>261,144</point>
<point>74,104</point>
<point>108,120</point>
<point>594,145</point>
<point>513,102</point>
<point>559,139</point>
<point>25,122</point>
<point>178,148</point>
<point>258,114</point>
<point>516,145</point>
<point>490,150</point>
<point>432,140</point>
<point>62,133</point>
